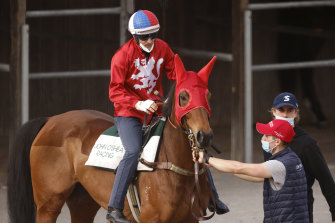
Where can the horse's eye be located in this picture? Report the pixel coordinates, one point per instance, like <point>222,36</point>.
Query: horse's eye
<point>182,97</point>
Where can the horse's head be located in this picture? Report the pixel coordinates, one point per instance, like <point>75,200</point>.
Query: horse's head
<point>192,108</point>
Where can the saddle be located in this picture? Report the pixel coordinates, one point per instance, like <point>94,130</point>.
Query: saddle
<point>147,130</point>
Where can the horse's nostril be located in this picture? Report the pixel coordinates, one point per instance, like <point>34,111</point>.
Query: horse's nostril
<point>200,136</point>
<point>204,139</point>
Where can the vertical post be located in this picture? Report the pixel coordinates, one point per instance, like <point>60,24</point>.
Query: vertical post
<point>248,85</point>
<point>237,112</point>
<point>127,8</point>
<point>18,18</point>
<point>25,73</point>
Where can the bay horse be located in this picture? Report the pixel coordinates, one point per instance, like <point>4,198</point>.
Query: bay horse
<point>47,165</point>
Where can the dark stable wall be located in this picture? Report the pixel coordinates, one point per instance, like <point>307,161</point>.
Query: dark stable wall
<point>4,58</point>
<point>89,42</point>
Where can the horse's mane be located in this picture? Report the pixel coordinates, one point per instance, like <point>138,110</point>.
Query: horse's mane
<point>167,108</point>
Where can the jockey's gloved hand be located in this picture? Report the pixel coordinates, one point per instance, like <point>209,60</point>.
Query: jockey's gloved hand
<point>148,106</point>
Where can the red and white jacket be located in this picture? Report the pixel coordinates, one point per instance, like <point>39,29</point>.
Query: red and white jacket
<point>134,79</point>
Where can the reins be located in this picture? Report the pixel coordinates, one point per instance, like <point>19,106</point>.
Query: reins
<point>196,187</point>
<point>170,166</point>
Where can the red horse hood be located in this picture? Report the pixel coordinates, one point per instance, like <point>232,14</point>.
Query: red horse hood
<point>195,84</point>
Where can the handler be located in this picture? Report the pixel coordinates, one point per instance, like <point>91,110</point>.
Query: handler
<point>285,188</point>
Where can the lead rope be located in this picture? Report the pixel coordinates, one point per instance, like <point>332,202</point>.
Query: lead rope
<point>196,188</point>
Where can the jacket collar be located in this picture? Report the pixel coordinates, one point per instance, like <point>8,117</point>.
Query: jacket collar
<point>281,153</point>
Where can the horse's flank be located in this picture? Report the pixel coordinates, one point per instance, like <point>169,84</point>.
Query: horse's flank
<point>86,125</point>
<point>58,155</point>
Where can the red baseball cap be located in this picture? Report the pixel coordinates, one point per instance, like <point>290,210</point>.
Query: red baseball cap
<point>277,128</point>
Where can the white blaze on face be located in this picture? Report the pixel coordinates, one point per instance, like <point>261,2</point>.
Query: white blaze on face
<point>145,75</point>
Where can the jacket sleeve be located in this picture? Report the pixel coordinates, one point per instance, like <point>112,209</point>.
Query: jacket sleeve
<point>118,93</point>
<point>169,67</point>
<point>319,169</point>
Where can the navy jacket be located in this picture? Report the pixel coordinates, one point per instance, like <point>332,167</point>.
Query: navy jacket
<point>289,204</point>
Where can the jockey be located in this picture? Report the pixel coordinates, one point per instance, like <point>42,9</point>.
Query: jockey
<point>136,70</point>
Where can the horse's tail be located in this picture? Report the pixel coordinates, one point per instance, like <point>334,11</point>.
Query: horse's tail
<point>20,199</point>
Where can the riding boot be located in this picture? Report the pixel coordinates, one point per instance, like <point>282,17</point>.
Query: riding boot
<point>221,208</point>
<point>115,215</point>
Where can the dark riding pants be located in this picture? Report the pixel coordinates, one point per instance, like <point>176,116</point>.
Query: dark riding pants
<point>130,132</point>
<point>211,183</point>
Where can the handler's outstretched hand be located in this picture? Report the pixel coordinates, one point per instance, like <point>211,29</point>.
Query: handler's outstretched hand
<point>201,158</point>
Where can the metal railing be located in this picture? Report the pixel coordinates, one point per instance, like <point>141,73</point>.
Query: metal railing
<point>227,57</point>
<point>72,12</point>
<point>126,6</point>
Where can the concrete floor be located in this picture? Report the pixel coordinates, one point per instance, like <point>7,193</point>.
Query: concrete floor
<point>243,198</point>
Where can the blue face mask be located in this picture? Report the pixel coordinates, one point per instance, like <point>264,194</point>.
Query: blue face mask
<point>266,146</point>
<point>290,120</point>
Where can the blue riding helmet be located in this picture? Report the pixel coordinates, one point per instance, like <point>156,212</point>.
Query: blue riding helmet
<point>143,22</point>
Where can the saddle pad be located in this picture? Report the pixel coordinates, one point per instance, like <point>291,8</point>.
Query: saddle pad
<point>108,150</point>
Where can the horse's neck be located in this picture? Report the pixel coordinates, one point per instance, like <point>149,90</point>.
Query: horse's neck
<point>175,147</point>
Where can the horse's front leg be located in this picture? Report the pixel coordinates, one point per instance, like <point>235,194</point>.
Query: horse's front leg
<point>163,198</point>
<point>167,214</point>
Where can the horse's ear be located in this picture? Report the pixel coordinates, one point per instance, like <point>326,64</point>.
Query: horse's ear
<point>180,69</point>
<point>206,70</point>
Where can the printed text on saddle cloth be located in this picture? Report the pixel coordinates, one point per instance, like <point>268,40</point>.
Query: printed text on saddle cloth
<point>195,84</point>
<point>146,76</point>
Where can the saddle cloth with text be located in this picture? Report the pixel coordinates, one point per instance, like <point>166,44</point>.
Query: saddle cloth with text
<point>108,150</point>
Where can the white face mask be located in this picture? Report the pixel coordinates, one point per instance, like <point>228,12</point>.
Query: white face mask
<point>146,49</point>
<point>266,146</point>
<point>289,120</point>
